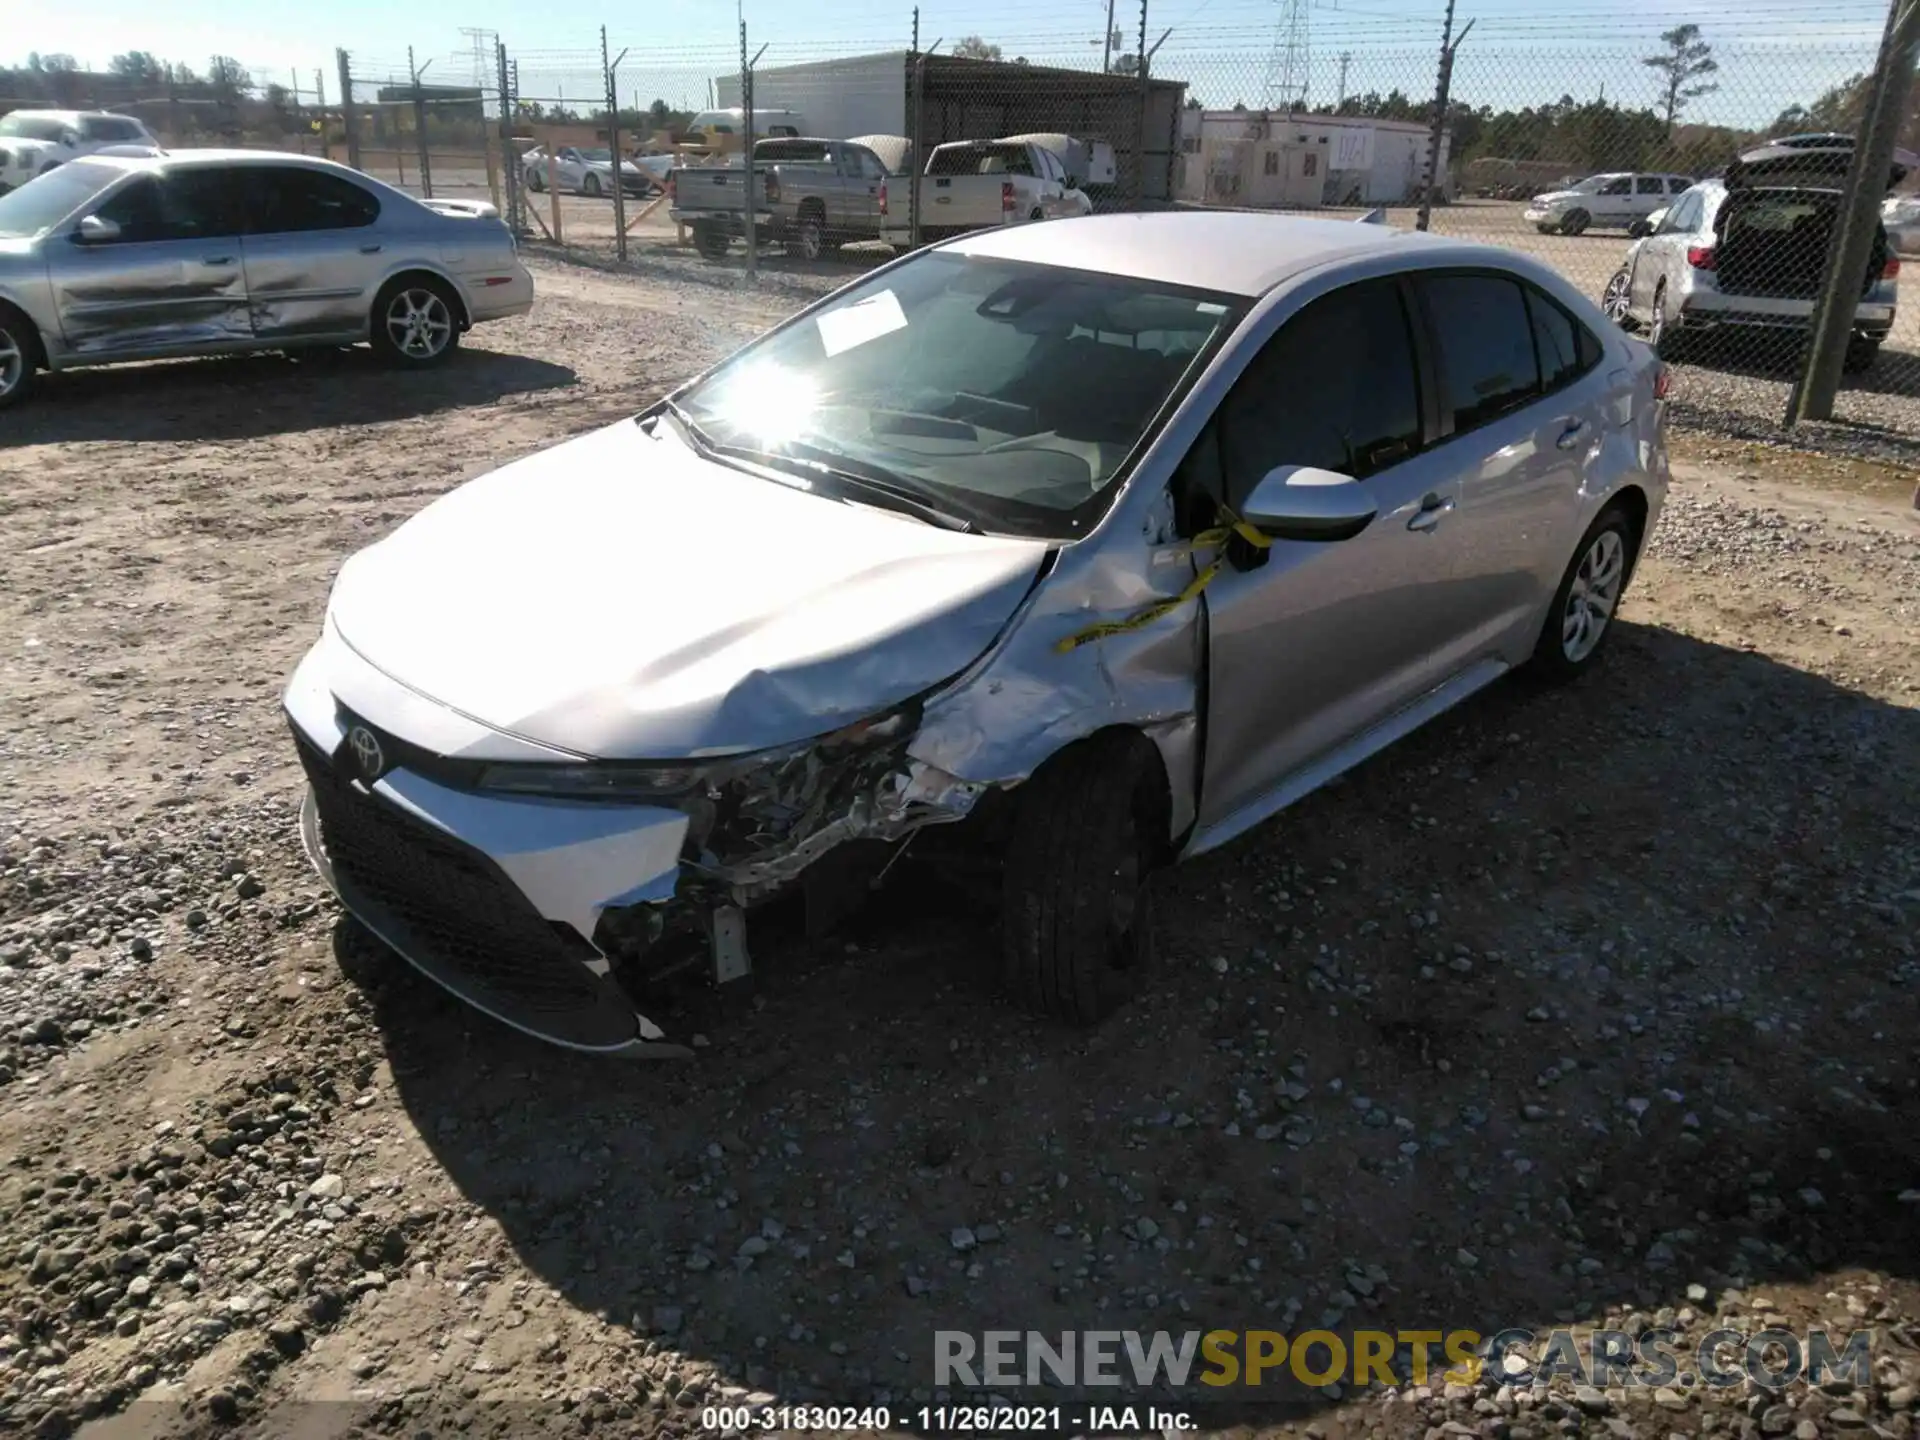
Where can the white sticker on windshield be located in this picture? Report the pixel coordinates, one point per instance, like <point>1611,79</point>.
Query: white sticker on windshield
<point>1207,307</point>
<point>853,325</point>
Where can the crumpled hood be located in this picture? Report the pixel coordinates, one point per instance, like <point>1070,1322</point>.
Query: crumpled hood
<point>619,596</point>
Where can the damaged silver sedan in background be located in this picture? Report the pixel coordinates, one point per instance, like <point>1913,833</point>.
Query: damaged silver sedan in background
<point>1093,544</point>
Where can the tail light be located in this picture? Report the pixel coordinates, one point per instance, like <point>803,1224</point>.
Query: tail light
<point>1006,197</point>
<point>1891,270</point>
<point>1662,381</point>
<point>883,198</point>
<point>773,189</point>
<point>1700,257</point>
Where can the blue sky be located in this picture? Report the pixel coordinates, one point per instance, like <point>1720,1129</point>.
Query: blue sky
<point>1520,51</point>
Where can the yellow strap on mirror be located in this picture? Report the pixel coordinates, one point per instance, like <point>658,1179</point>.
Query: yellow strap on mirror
<point>1212,539</point>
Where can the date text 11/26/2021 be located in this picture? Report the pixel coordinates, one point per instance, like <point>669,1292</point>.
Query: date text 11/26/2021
<point>949,1419</point>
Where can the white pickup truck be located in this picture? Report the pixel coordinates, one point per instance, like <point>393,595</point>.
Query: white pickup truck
<point>975,184</point>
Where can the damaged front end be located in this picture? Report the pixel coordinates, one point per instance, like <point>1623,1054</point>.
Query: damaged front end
<point>756,825</point>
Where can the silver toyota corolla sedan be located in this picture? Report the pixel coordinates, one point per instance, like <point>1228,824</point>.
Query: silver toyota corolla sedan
<point>211,252</point>
<point>1080,547</point>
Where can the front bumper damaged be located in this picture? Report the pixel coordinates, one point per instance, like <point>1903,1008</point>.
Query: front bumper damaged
<point>533,910</point>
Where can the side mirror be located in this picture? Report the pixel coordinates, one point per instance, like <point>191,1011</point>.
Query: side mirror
<point>96,231</point>
<point>1300,502</point>
<point>1640,229</point>
<point>70,139</point>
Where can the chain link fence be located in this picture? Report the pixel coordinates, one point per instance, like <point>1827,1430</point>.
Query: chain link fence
<point>1600,148</point>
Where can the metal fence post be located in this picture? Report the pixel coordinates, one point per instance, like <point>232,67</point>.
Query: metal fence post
<point>420,125</point>
<point>1443,87</point>
<point>349,122</point>
<point>746,106</point>
<point>509,162</point>
<point>1140,128</point>
<point>1846,269</point>
<point>613,145</point>
<point>916,86</point>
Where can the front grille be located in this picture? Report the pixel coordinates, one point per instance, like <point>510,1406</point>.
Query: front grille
<point>466,924</point>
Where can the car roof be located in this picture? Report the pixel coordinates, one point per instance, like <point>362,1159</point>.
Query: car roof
<point>169,158</point>
<point>1234,252</point>
<point>66,115</point>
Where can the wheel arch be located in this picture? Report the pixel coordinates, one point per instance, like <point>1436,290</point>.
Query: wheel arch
<point>1632,498</point>
<point>463,312</point>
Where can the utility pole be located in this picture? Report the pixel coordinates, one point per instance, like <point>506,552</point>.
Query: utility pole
<point>1448,45</point>
<point>1106,43</point>
<point>420,123</point>
<point>1346,59</point>
<point>1846,271</point>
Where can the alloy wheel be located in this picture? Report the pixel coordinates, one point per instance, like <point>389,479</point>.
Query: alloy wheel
<point>13,363</point>
<point>1615,301</point>
<point>1593,596</point>
<point>419,323</point>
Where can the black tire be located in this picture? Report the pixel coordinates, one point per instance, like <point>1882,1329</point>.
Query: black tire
<point>1661,333</point>
<point>1575,222</point>
<point>534,182</point>
<point>1076,909</point>
<point>812,233</point>
<point>1546,229</point>
<point>711,241</point>
<point>1036,213</point>
<point>437,335</point>
<point>1555,659</point>
<point>20,357</point>
<point>1860,356</point>
<point>590,186</point>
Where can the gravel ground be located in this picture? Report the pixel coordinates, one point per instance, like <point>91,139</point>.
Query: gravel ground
<point>1596,1006</point>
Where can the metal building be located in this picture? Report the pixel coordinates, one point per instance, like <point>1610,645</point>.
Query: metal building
<point>968,99</point>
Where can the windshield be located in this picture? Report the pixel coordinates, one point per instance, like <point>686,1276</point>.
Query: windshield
<point>46,200</point>
<point>31,127</point>
<point>1010,394</point>
<point>597,157</point>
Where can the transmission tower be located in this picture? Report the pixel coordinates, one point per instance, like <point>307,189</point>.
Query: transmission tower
<point>1288,64</point>
<point>483,52</point>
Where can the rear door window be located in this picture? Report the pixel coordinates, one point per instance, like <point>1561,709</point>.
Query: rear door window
<point>1565,348</point>
<point>1486,361</point>
<point>1649,185</point>
<point>284,199</point>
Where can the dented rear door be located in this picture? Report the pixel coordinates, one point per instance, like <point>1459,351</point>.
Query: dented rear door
<point>314,250</point>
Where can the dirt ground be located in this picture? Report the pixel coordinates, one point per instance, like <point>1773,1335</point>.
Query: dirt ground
<point>1584,1007</point>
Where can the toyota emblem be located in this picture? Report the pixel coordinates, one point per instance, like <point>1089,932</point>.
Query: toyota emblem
<point>367,754</point>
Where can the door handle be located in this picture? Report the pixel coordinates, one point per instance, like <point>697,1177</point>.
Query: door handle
<point>1432,507</point>
<point>1570,436</point>
<point>217,260</point>
<point>371,249</point>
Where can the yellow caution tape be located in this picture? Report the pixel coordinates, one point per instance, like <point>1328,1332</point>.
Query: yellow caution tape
<point>1215,539</point>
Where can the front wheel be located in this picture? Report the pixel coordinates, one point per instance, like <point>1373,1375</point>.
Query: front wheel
<point>534,182</point>
<point>415,322</point>
<point>590,187</point>
<point>1575,223</point>
<point>1076,911</point>
<point>1588,597</point>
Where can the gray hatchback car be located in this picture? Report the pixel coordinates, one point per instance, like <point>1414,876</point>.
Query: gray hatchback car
<point>214,252</point>
<point>1077,548</point>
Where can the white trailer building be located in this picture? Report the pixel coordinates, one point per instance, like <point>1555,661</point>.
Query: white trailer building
<point>1275,160</point>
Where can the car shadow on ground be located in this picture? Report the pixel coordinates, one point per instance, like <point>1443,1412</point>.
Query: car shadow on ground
<point>1579,998</point>
<point>248,396</point>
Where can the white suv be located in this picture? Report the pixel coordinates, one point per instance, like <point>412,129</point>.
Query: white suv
<point>32,142</point>
<point>1612,201</point>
